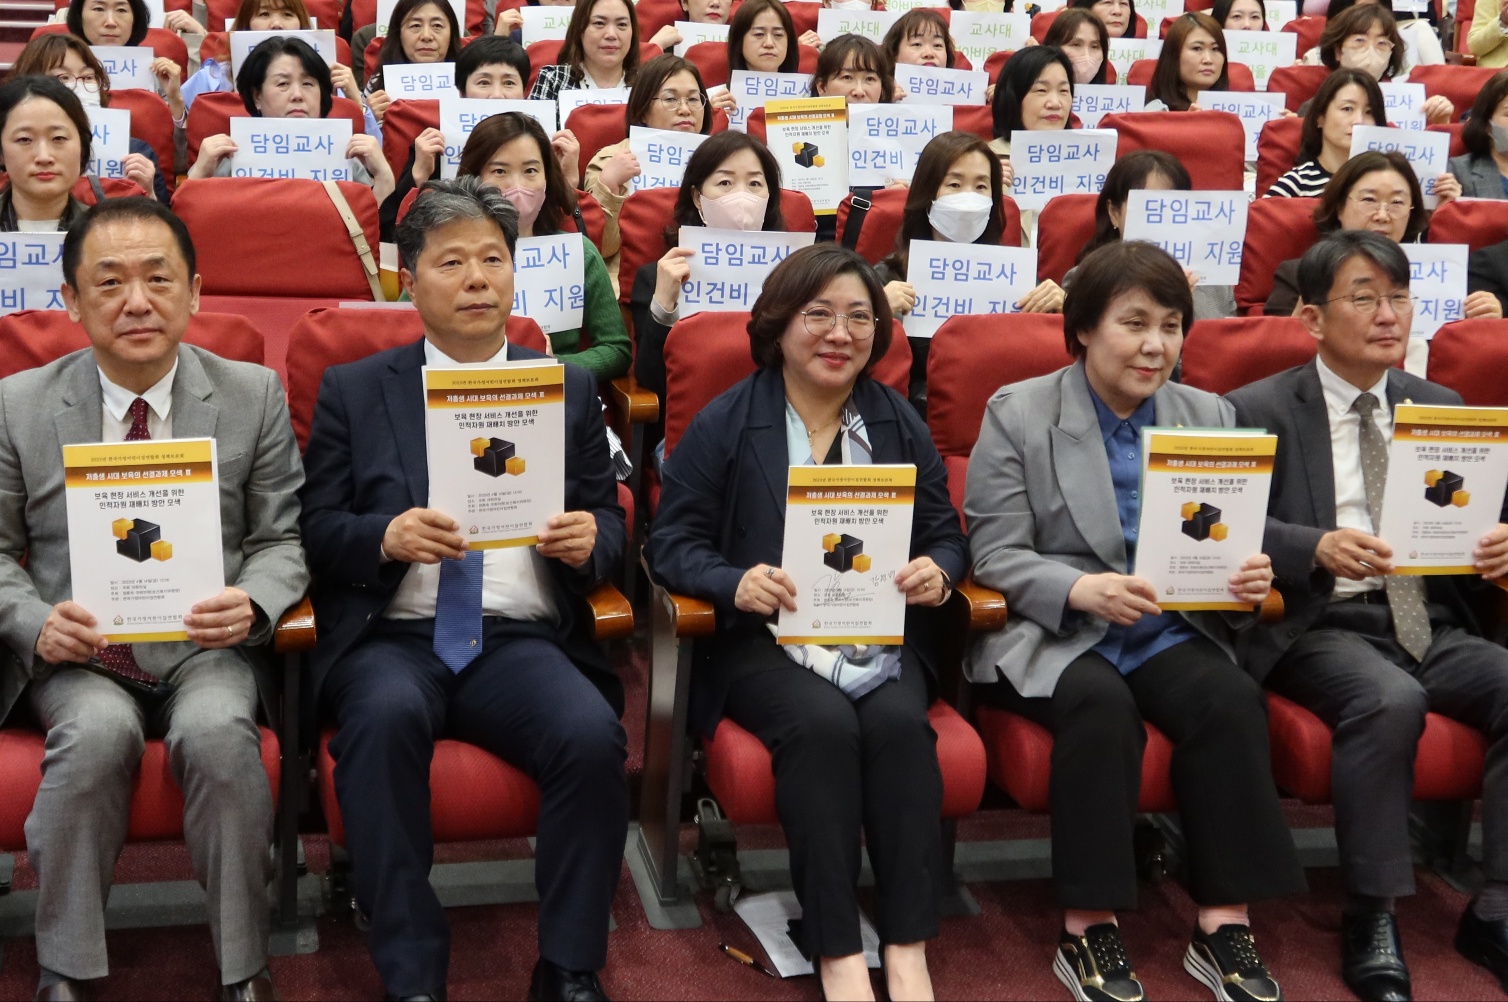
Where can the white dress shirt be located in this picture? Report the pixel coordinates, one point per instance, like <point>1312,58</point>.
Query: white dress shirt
<point>515,579</point>
<point>116,413</point>
<point>1351,511</point>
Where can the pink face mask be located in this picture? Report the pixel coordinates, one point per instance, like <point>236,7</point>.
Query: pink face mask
<point>1084,68</point>
<point>527,201</point>
<point>737,210</point>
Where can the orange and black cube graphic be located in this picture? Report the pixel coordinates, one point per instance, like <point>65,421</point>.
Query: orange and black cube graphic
<point>844,553</point>
<point>808,155</point>
<point>1201,521</point>
<point>495,457</point>
<point>1444,488</point>
<point>140,540</point>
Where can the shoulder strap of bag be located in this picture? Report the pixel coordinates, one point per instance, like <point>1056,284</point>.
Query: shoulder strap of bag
<point>857,210</point>
<point>98,189</point>
<point>358,239</point>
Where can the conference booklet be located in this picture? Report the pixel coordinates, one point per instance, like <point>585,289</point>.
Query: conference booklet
<point>1447,469</point>
<point>143,534</point>
<point>1203,512</point>
<point>847,536</point>
<point>496,448</point>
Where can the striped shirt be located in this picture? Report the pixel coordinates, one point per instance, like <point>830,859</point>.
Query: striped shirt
<point>1307,180</point>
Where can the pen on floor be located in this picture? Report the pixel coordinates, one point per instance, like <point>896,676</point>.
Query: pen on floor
<point>745,959</point>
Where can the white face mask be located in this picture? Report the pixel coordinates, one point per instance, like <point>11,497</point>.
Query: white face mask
<point>1084,68</point>
<point>1500,138</point>
<point>88,98</point>
<point>737,210</point>
<point>961,218</point>
<point>1371,62</point>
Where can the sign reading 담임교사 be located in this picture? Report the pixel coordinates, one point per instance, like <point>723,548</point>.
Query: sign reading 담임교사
<point>1203,511</point>
<point>496,448</point>
<point>1447,469</point>
<point>143,534</point>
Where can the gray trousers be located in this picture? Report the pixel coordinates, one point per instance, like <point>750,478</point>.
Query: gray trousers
<point>96,732</point>
<point>1350,672</point>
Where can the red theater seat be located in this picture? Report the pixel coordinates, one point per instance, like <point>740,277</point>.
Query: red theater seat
<point>882,223</point>
<point>1471,356</point>
<point>212,112</point>
<point>1065,226</point>
<point>711,61</point>
<point>1460,84</point>
<point>1020,762</point>
<point>1300,83</point>
<point>1277,230</point>
<point>1277,151</point>
<point>401,125</point>
<point>1477,222</point>
<point>152,123</point>
<point>1210,143</point>
<point>597,126</point>
<point>976,118</point>
<point>36,337</point>
<point>1309,28</point>
<point>1224,355</point>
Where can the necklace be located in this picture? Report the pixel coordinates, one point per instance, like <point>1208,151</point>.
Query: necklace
<point>811,433</point>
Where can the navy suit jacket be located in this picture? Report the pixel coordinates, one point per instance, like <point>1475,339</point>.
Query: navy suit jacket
<point>367,463</point>
<point>722,509</point>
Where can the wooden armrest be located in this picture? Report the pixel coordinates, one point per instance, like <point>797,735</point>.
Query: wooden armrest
<point>986,606</point>
<point>612,616</point>
<point>1272,608</point>
<point>632,401</point>
<point>689,617</point>
<point>295,630</point>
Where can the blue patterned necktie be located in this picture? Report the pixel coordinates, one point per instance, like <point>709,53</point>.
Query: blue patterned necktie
<point>458,611</point>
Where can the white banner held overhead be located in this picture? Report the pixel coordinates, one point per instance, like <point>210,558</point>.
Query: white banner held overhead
<point>965,280</point>
<point>728,267</point>
<point>1203,230</point>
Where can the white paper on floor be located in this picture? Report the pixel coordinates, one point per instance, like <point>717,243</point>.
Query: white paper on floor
<point>768,917</point>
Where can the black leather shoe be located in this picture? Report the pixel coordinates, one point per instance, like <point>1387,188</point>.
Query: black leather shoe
<point>1371,957</point>
<point>1485,943</point>
<point>556,984</point>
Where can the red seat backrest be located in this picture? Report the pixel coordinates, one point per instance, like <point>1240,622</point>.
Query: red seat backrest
<point>711,61</point>
<point>1460,84</point>
<point>36,337</point>
<point>152,123</point>
<point>1309,28</point>
<point>288,238</point>
<point>1300,83</point>
<point>877,233</point>
<point>976,118</point>
<point>1478,223</point>
<point>1277,150</point>
<point>363,13</point>
<point>1470,356</point>
<point>1064,227</point>
<point>369,58</point>
<point>161,41</point>
<point>1040,24</point>
<point>995,60</point>
<point>211,114</point>
<point>542,53</point>
<point>656,14</point>
<point>1239,77</point>
<point>1465,11</point>
<point>1454,130</point>
<point>327,337</point>
<point>1277,230</point>
<point>1224,355</point>
<point>803,15</point>
<point>401,125</point>
<point>597,126</point>
<point>1210,143</point>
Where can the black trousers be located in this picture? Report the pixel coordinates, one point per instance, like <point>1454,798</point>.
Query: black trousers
<point>843,767</point>
<point>1239,847</point>
<point>526,703</point>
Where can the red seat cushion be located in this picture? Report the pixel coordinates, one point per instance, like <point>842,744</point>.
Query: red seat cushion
<point>1277,150</point>
<point>1277,230</point>
<point>1300,83</point>
<point>1210,143</point>
<point>156,802</point>
<point>1476,222</point>
<point>473,794</point>
<point>30,338</point>
<point>1470,357</point>
<point>742,779</point>
<point>1447,766</point>
<point>1065,226</point>
<point>1223,355</point>
<point>1020,757</point>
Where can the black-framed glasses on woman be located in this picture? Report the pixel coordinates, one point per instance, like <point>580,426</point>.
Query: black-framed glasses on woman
<point>820,322</point>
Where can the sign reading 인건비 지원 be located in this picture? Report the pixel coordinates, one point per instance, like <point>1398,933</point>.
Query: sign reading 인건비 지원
<point>143,534</point>
<point>1203,512</point>
<point>1447,469</point>
<point>496,448</point>
<point>847,535</point>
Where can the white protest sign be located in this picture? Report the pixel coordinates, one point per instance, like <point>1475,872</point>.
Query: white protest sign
<point>872,24</point>
<point>1125,51</point>
<point>693,32</point>
<point>752,90</point>
<point>1281,12</point>
<point>549,284</point>
<point>459,115</point>
<point>1404,104</point>
<point>31,271</point>
<point>313,148</point>
<point>1262,52</point>
<point>979,35</point>
<point>242,42</point>
<point>940,85</point>
<point>1426,152</point>
<point>662,156</point>
<point>545,24</point>
<point>110,131</point>
<point>1092,102</point>
<point>1203,230</point>
<point>1437,281</point>
<point>1254,111</point>
<point>127,66</point>
<point>569,100</point>
<point>728,267</point>
<point>965,280</point>
<point>886,140</point>
<point>1066,162</point>
<point>420,81</point>
<point>385,14</point>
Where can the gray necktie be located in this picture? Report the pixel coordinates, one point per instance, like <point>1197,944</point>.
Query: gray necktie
<point>1405,591</point>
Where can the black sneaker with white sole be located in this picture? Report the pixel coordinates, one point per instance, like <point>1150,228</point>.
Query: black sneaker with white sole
<point>1094,966</point>
<point>1226,961</point>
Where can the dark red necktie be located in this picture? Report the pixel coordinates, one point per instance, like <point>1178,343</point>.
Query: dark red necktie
<point>119,658</point>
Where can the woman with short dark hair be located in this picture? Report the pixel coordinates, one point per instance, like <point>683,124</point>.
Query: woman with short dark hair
<point>847,728</point>
<point>762,38</point>
<point>44,148</point>
<point>1053,509</point>
<point>1483,168</point>
<point>1194,59</point>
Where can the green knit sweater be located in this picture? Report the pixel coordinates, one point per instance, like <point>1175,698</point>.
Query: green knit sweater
<point>611,352</point>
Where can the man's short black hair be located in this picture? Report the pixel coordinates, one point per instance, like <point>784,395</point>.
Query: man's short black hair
<point>138,207</point>
<point>1322,262</point>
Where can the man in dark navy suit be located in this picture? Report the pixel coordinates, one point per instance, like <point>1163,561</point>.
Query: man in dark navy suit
<point>401,601</point>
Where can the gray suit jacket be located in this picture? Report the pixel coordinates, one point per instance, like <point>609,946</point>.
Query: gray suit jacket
<point>1478,175</point>
<point>1041,513</point>
<point>241,406</point>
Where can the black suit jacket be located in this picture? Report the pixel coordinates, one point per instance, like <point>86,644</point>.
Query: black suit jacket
<point>366,463</point>
<point>722,509</point>
<point>1487,271</point>
<point>1301,507</point>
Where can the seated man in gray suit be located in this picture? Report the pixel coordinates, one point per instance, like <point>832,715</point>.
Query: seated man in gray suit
<point>1370,653</point>
<point>128,268</point>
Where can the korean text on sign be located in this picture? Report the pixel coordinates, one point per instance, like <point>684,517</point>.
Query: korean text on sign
<point>545,24</point>
<point>309,148</point>
<point>242,42</point>
<point>549,285</point>
<point>420,81</point>
<point>127,66</point>
<point>1048,164</point>
<point>570,100</point>
<point>1262,52</point>
<point>752,90</point>
<point>1203,230</point>
<point>1437,281</point>
<point>872,24</point>
<point>1092,102</point>
<point>1404,105</point>
<point>979,34</point>
<point>1254,111</point>
<point>1125,51</point>
<point>662,154</point>
<point>965,279</point>
<point>886,140</point>
<point>1426,152</point>
<point>695,32</point>
<point>459,115</point>
<point>938,85</point>
<point>110,132</point>
<point>728,267</point>
<point>31,271</point>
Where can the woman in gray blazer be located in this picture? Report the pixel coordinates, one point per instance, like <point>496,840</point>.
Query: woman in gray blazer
<point>1052,505</point>
<point>1483,169</point>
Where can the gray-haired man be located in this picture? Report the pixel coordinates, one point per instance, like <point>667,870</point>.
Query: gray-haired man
<point>393,575</point>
